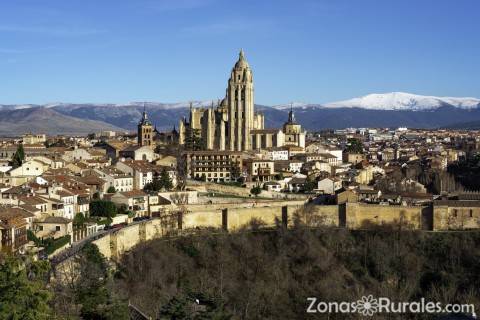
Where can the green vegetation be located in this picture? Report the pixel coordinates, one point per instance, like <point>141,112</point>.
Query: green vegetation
<point>91,292</point>
<point>185,307</point>
<point>467,173</point>
<point>32,237</point>
<point>99,220</point>
<point>160,182</point>
<point>85,293</point>
<point>279,176</point>
<point>23,292</point>
<point>231,183</point>
<point>123,209</point>
<point>256,273</point>
<point>18,157</point>
<point>193,140</point>
<point>354,146</point>
<point>79,220</point>
<point>103,208</point>
<point>235,171</point>
<point>49,244</point>
<point>269,274</point>
<point>310,184</point>
<point>111,189</point>
<point>256,190</point>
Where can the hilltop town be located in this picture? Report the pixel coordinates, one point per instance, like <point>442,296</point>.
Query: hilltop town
<point>59,191</point>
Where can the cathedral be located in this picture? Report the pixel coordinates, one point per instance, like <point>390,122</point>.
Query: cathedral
<point>229,125</point>
<point>233,124</point>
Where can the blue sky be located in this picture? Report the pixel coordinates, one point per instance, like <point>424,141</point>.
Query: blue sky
<point>178,50</point>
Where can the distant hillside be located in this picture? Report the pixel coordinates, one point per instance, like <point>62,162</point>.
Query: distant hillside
<point>376,110</point>
<point>49,121</point>
<point>469,125</point>
<point>164,116</point>
<point>337,118</point>
<point>312,118</point>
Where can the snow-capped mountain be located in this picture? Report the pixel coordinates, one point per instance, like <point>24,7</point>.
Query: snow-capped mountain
<point>374,110</point>
<point>391,101</point>
<point>294,105</point>
<point>404,101</point>
<point>72,106</point>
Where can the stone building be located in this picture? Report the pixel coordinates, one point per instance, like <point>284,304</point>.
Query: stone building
<point>294,135</point>
<point>31,138</point>
<point>13,230</point>
<point>229,125</point>
<point>233,125</point>
<point>145,131</point>
<point>214,166</point>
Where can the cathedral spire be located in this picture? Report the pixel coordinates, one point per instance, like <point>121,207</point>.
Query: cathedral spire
<point>291,115</point>
<point>242,62</point>
<point>144,115</point>
<point>144,119</point>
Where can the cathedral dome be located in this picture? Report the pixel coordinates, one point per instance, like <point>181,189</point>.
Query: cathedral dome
<point>223,103</point>
<point>242,62</point>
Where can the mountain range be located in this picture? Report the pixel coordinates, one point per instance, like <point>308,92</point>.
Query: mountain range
<point>374,110</point>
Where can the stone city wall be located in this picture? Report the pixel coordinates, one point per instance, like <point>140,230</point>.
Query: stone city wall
<point>457,217</point>
<point>241,192</point>
<point>269,213</point>
<point>360,215</point>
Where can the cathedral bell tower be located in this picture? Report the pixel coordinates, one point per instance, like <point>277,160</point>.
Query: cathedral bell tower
<point>145,130</point>
<point>240,106</point>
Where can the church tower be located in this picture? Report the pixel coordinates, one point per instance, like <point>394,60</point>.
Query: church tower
<point>294,134</point>
<point>145,131</point>
<point>240,106</point>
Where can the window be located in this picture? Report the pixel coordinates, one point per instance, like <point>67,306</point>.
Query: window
<point>455,213</point>
<point>470,213</point>
<point>57,228</point>
<point>40,228</point>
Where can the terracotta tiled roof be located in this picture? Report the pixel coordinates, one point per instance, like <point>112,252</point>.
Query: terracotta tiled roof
<point>133,193</point>
<point>60,220</point>
<point>13,217</point>
<point>91,180</point>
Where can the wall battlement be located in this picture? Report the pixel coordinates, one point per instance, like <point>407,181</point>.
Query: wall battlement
<point>237,216</point>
